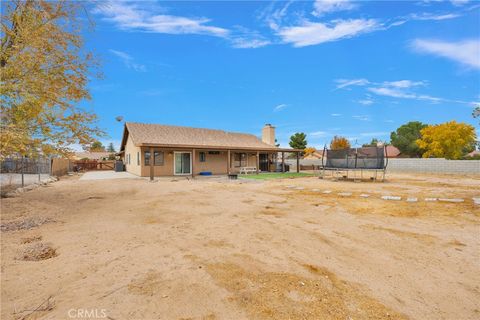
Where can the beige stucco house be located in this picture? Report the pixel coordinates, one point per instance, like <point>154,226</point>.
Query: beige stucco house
<point>161,150</point>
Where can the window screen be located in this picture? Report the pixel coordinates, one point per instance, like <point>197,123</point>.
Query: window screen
<point>147,158</point>
<point>158,158</point>
<point>240,159</point>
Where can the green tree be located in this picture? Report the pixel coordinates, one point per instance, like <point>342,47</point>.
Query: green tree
<point>44,74</point>
<point>476,112</point>
<point>339,143</point>
<point>298,141</point>
<point>97,146</point>
<point>450,140</point>
<point>111,148</point>
<point>372,143</point>
<point>406,136</point>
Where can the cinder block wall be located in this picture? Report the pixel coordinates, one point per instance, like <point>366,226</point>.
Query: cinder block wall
<point>421,165</point>
<point>434,165</point>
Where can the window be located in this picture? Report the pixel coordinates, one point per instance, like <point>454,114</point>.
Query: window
<point>158,158</point>
<point>213,152</point>
<point>203,156</point>
<point>138,158</point>
<point>146,155</point>
<point>240,159</point>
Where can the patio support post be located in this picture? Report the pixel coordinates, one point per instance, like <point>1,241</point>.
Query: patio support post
<point>258,160</point>
<point>193,162</point>
<point>152,159</point>
<point>228,161</point>
<point>283,162</point>
<point>298,162</point>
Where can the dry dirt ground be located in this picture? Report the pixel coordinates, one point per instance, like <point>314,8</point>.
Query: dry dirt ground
<point>211,249</point>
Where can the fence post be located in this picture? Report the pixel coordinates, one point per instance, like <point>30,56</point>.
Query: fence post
<point>23,164</point>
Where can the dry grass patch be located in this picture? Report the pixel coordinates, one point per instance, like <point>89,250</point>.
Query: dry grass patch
<point>425,238</point>
<point>456,243</point>
<point>375,205</point>
<point>148,285</point>
<point>275,213</point>
<point>278,295</point>
<point>30,239</point>
<point>218,244</point>
<point>24,224</point>
<point>38,251</point>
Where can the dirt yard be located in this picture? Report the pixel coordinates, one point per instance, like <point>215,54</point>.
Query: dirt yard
<point>214,249</point>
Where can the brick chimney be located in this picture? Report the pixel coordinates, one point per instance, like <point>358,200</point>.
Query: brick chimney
<point>268,134</point>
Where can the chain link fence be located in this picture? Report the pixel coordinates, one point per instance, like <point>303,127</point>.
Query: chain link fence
<point>21,171</point>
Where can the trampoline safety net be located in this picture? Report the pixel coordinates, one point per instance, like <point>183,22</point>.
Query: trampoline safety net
<point>356,158</point>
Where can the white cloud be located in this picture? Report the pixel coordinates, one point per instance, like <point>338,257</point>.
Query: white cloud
<point>374,134</point>
<point>274,17</point>
<point>400,93</point>
<point>319,134</point>
<point>434,17</point>
<point>390,92</point>
<point>459,2</point>
<point>280,107</point>
<point>311,33</point>
<point>128,61</point>
<point>129,16</point>
<point>403,89</point>
<point>365,102</point>
<point>243,38</point>
<point>245,43</point>
<point>322,7</point>
<point>335,114</point>
<point>362,117</point>
<point>404,83</point>
<point>344,83</point>
<point>466,52</point>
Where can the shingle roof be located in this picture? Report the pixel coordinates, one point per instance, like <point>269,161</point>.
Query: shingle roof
<point>144,134</point>
<point>392,152</point>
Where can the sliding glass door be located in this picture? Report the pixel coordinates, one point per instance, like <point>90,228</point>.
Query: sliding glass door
<point>183,163</point>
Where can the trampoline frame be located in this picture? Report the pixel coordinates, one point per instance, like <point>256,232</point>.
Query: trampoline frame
<point>338,171</point>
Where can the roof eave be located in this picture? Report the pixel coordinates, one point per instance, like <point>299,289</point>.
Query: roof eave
<point>273,149</point>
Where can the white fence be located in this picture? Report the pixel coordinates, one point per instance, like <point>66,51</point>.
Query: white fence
<point>421,165</point>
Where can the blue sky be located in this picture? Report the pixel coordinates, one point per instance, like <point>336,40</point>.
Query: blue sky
<point>356,69</point>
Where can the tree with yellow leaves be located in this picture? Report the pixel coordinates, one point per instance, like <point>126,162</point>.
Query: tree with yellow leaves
<point>450,140</point>
<point>339,143</point>
<point>44,74</point>
<point>309,151</point>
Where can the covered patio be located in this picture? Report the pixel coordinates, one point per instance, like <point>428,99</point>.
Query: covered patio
<point>191,162</point>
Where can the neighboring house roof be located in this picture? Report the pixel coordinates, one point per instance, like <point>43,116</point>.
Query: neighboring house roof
<point>392,152</point>
<point>143,134</point>
<point>473,153</point>
<point>91,155</point>
<point>318,154</point>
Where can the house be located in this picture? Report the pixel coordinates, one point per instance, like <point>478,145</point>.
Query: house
<point>391,151</point>
<point>474,153</point>
<point>162,150</point>
<point>316,155</point>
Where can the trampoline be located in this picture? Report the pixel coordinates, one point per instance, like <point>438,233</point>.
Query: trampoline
<point>355,160</point>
